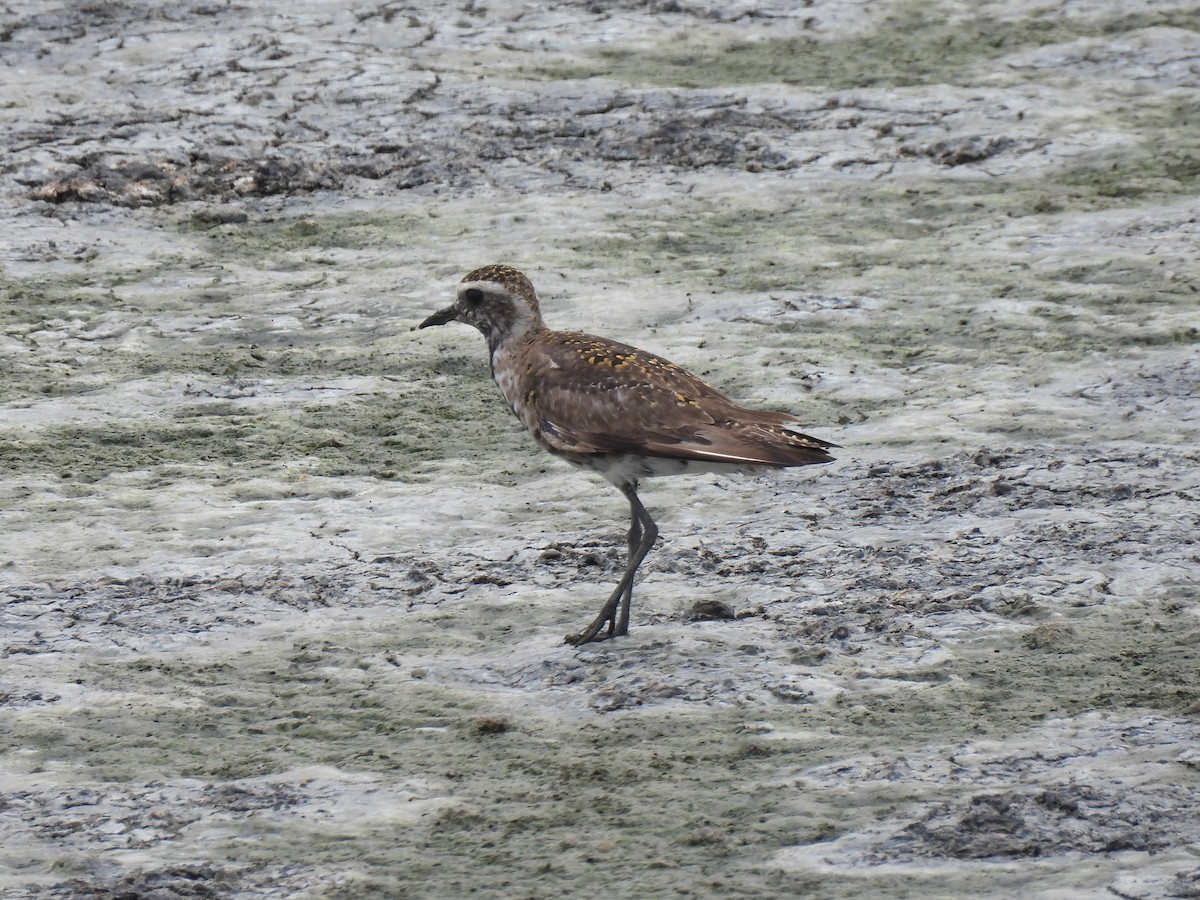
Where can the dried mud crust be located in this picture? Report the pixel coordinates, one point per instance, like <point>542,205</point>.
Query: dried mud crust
<point>266,112</point>
<point>569,138</point>
<point>1049,544</point>
<point>1069,816</point>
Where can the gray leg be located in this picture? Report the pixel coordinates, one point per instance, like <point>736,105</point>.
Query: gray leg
<point>642,534</point>
<point>615,612</point>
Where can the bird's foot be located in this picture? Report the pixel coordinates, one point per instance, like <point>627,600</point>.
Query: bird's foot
<point>613,620</point>
<point>597,631</point>
<point>583,638</point>
<point>593,635</point>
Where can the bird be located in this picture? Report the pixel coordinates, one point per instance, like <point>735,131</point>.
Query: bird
<point>613,409</point>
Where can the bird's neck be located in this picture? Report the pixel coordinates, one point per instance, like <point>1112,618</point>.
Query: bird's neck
<point>515,334</point>
<point>509,362</point>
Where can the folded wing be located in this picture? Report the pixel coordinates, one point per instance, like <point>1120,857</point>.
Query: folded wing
<point>625,400</point>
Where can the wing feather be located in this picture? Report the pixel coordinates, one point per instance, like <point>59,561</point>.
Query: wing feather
<point>597,396</point>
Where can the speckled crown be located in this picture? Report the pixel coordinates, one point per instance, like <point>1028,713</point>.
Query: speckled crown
<point>507,277</point>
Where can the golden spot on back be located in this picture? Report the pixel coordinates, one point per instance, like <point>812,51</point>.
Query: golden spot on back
<point>595,353</point>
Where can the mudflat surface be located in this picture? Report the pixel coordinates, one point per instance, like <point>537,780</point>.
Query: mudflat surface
<point>283,586</point>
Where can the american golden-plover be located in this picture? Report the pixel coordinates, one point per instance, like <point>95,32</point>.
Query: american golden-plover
<point>616,410</point>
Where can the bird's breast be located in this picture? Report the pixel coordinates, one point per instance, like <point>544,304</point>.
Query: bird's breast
<point>516,382</point>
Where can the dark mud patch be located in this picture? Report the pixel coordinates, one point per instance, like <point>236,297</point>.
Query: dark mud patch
<point>1070,817</point>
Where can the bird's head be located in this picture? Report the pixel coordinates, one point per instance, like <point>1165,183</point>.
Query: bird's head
<point>497,300</point>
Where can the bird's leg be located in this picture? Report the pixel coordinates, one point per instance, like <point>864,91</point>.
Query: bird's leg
<point>642,535</point>
<point>620,623</point>
<point>615,612</point>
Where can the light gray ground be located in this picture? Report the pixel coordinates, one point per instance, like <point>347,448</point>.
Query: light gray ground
<point>284,585</point>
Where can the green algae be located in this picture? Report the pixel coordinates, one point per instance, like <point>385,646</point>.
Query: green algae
<point>281,240</point>
<point>899,241</point>
<point>902,246</point>
<point>911,44</point>
<point>198,318</point>
<point>1164,162</point>
<point>381,435</point>
<point>547,802</point>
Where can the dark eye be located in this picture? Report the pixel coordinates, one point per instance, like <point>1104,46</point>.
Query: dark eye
<point>474,296</point>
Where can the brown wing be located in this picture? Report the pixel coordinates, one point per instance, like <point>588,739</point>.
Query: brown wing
<point>597,396</point>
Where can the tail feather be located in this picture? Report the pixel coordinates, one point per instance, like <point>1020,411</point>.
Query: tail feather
<point>750,444</point>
